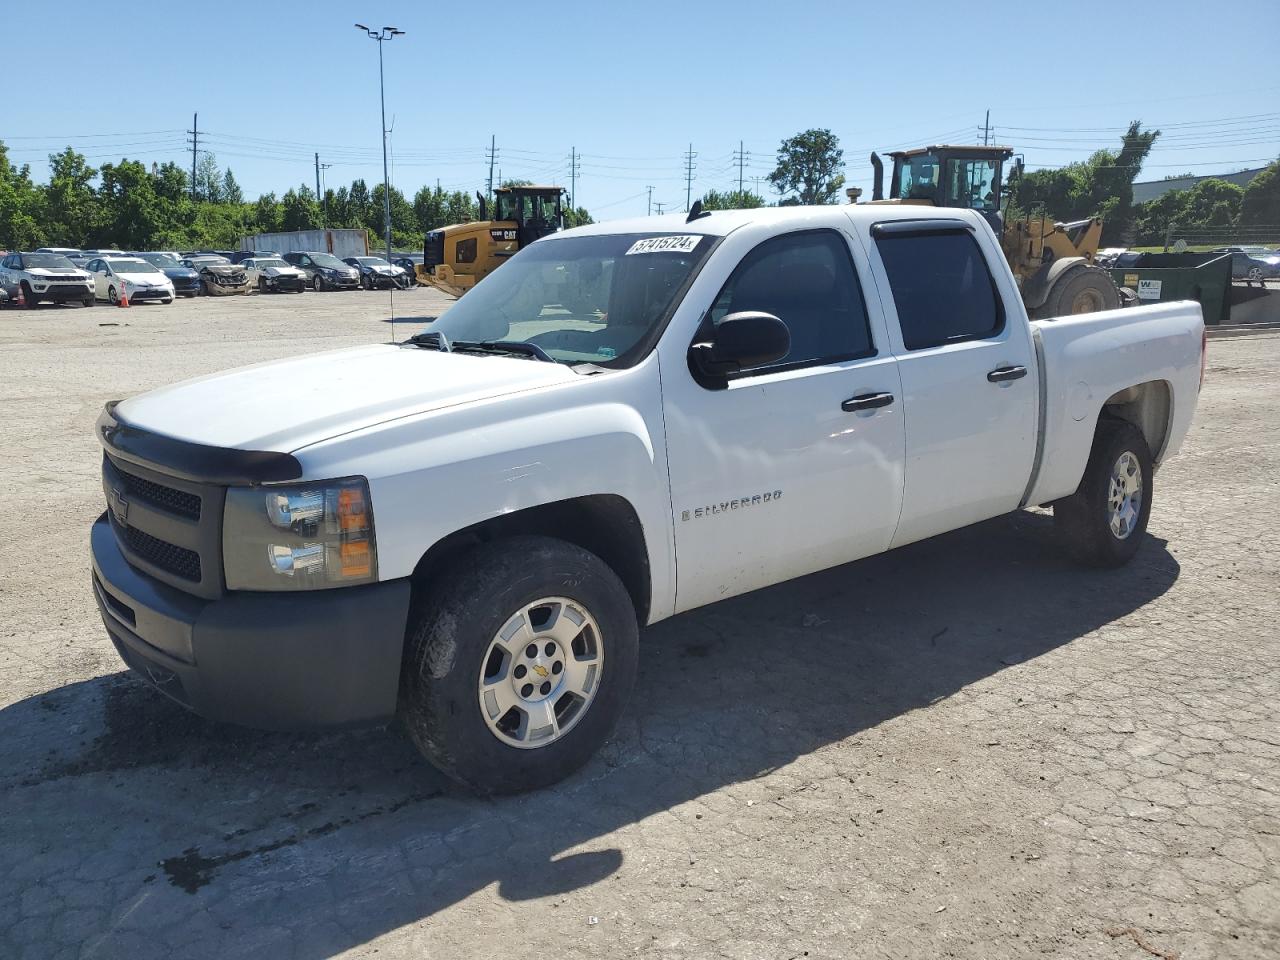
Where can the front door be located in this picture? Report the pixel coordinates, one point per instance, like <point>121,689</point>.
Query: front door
<point>789,468</point>
<point>969,380</point>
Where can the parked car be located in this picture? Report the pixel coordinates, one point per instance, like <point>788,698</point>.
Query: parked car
<point>219,277</point>
<point>64,251</point>
<point>1252,263</point>
<point>377,274</point>
<point>325,271</point>
<point>131,276</point>
<point>759,393</point>
<point>186,281</point>
<point>240,256</point>
<point>45,276</point>
<point>271,274</point>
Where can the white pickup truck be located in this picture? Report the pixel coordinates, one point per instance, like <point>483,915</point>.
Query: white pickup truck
<point>627,421</point>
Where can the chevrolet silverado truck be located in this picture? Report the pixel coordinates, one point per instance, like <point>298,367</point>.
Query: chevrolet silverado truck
<point>467,530</point>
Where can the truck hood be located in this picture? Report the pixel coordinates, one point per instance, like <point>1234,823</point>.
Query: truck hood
<point>285,405</point>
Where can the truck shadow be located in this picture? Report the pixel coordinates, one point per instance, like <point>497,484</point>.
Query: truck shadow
<point>239,841</point>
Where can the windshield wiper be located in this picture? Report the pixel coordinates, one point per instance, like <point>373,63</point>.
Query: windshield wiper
<point>431,338</point>
<point>521,347</point>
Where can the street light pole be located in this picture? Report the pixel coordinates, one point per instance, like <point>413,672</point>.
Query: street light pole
<point>386,33</point>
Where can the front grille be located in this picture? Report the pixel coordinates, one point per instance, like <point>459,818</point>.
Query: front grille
<point>177,502</point>
<point>178,561</point>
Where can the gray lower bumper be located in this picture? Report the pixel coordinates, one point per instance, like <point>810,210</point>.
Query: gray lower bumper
<point>277,661</point>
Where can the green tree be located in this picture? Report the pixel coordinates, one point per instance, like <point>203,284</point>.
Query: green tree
<point>1209,204</point>
<point>360,211</point>
<point>70,204</point>
<point>268,215</point>
<point>459,207</point>
<point>1101,186</point>
<point>19,206</point>
<point>731,200</point>
<point>132,216</point>
<point>208,179</point>
<point>1260,205</point>
<point>809,167</point>
<point>429,208</point>
<point>577,217</point>
<point>299,210</point>
<point>231,192</point>
<point>172,183</point>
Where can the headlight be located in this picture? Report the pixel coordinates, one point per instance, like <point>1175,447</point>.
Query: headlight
<point>305,536</point>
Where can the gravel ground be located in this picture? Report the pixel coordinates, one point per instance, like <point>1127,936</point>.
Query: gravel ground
<point>966,748</point>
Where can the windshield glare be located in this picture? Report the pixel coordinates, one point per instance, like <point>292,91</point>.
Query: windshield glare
<point>132,266</point>
<point>581,299</point>
<point>328,260</point>
<point>372,261</point>
<point>48,261</point>
<point>158,259</point>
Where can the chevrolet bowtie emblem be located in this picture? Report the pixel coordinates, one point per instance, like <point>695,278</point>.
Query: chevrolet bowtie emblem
<point>119,507</point>
<point>540,670</point>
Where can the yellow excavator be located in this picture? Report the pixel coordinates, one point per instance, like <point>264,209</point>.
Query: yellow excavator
<point>457,257</point>
<point>1053,262</point>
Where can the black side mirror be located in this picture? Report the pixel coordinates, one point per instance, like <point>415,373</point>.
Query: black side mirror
<point>741,341</point>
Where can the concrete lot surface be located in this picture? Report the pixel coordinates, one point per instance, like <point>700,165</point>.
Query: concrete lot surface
<point>967,748</point>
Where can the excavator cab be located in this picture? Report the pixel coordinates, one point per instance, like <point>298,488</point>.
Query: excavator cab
<point>970,177</point>
<point>536,211</point>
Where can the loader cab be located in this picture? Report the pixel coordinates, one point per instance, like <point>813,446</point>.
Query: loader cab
<point>536,211</point>
<point>969,177</point>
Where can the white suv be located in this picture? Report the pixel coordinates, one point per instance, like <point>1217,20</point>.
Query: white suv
<point>45,276</point>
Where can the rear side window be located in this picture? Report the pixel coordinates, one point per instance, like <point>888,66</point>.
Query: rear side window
<point>941,287</point>
<point>807,280</point>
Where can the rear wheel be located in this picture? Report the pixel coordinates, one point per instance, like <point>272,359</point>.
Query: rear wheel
<point>1255,273</point>
<point>1082,289</point>
<point>1102,523</point>
<point>518,664</point>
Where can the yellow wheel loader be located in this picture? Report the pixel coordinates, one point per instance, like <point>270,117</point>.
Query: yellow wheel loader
<point>457,257</point>
<point>1053,262</point>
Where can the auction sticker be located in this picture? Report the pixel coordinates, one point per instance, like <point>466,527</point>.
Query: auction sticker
<point>678,244</point>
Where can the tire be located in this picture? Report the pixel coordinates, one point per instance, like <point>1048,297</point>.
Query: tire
<point>88,302</point>
<point>112,297</point>
<point>167,300</point>
<point>262,285</point>
<point>28,296</point>
<point>1255,273</point>
<point>1082,289</point>
<point>1087,521</point>
<point>316,283</point>
<point>366,283</point>
<point>452,641</point>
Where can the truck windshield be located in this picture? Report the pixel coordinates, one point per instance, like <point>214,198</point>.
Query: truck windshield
<point>580,299</point>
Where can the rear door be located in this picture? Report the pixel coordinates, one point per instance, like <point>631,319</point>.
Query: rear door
<point>969,384</point>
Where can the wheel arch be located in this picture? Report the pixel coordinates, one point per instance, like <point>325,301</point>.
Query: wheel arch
<point>1149,407</point>
<point>606,525</point>
<point>1037,287</point>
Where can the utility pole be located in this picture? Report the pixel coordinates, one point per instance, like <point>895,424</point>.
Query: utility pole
<point>649,210</point>
<point>324,193</point>
<point>493,152</point>
<point>382,36</point>
<point>986,129</point>
<point>195,145</point>
<point>689,167</point>
<point>741,157</point>
<point>659,205</point>
<point>318,193</point>
<point>574,162</point>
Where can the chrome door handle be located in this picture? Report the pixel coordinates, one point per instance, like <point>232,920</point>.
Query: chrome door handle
<point>866,401</point>
<point>1005,374</point>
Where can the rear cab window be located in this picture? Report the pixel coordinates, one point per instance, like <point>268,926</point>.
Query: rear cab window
<point>942,287</point>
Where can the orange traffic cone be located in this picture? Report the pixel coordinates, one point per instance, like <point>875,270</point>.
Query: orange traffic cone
<point>123,299</point>
<point>21,300</point>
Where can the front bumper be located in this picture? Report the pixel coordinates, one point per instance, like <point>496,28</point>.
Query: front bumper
<point>382,281</point>
<point>277,661</point>
<point>340,283</point>
<point>285,283</point>
<point>64,292</point>
<point>215,289</point>
<point>154,293</point>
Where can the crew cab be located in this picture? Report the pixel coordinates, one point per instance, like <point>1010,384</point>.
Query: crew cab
<point>45,276</point>
<point>629,420</point>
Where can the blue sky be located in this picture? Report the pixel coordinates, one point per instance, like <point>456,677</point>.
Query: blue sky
<point>630,86</point>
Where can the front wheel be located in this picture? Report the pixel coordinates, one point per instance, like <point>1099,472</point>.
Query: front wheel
<point>518,664</point>
<point>112,296</point>
<point>1255,273</point>
<point>1102,523</point>
<point>88,302</point>
<point>316,283</point>
<point>262,285</point>
<point>28,296</point>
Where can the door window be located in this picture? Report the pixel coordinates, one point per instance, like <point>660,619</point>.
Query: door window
<point>806,280</point>
<point>941,286</point>
<point>972,184</point>
<point>465,251</point>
